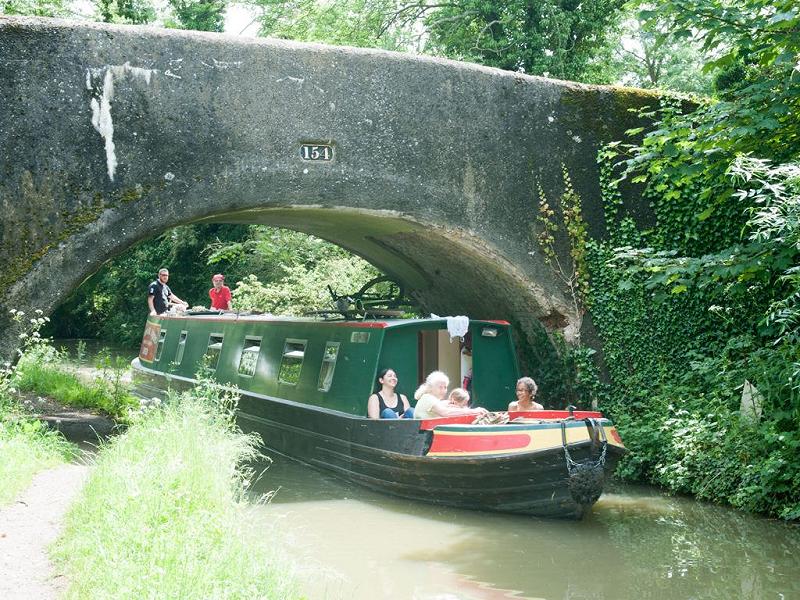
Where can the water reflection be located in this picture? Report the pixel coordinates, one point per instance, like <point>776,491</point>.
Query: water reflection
<point>636,543</point>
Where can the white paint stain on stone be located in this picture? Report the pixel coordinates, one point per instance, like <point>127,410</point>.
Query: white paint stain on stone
<point>298,80</point>
<point>103,94</point>
<point>222,64</point>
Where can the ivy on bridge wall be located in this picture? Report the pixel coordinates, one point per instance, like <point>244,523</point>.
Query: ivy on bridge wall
<point>679,355</point>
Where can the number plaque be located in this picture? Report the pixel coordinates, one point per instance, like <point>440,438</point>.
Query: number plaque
<point>316,152</point>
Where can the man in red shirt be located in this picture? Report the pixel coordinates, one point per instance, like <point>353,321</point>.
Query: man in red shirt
<point>220,294</point>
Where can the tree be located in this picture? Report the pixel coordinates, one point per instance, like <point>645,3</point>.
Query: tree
<point>646,56</point>
<point>198,15</point>
<point>135,12</point>
<point>551,37</point>
<point>360,23</point>
<point>35,8</point>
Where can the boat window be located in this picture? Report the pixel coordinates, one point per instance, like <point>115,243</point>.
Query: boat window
<point>293,353</point>
<point>249,358</point>
<point>181,347</point>
<point>161,336</point>
<point>328,364</point>
<point>214,350</point>
<point>359,337</point>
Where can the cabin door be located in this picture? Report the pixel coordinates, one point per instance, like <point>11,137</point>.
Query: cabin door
<point>438,353</point>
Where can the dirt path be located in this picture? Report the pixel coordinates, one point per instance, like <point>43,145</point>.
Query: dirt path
<point>28,526</point>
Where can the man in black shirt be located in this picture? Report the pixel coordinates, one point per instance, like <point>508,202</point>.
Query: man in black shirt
<point>159,296</point>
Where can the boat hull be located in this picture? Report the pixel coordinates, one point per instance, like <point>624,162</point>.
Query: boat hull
<point>391,456</point>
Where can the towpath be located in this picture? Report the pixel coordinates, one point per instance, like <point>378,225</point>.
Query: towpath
<point>36,518</point>
<point>28,526</point>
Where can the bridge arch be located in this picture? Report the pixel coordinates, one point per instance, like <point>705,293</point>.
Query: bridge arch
<point>425,167</point>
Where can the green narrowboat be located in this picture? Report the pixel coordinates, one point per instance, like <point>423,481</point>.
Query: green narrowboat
<point>304,384</point>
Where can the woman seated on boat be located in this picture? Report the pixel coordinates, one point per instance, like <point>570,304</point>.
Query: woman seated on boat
<point>386,403</point>
<point>526,392</point>
<point>431,403</point>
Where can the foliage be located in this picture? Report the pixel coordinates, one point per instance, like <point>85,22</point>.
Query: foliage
<point>360,23</point>
<point>41,369</point>
<point>566,210</point>
<point>135,12</point>
<point>178,474</point>
<point>199,15</point>
<point>644,56</point>
<point>705,299</point>
<point>551,38</point>
<point>26,445</point>
<point>44,374</point>
<point>688,436</point>
<point>303,290</point>
<point>37,8</point>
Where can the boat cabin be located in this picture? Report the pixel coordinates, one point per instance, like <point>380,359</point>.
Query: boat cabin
<point>332,364</point>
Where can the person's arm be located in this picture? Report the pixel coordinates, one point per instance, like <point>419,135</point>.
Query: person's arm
<point>443,409</point>
<point>150,304</point>
<point>176,300</point>
<point>228,299</point>
<point>404,400</point>
<point>513,406</point>
<point>372,407</point>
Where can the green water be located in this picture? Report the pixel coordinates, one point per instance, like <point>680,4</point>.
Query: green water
<point>637,543</point>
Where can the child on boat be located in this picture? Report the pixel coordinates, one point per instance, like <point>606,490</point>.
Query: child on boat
<point>459,397</point>
<point>431,403</point>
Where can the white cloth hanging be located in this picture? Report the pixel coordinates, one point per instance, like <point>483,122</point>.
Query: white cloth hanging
<point>457,326</point>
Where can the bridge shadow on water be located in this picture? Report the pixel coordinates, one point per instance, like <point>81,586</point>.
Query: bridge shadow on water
<point>636,543</point>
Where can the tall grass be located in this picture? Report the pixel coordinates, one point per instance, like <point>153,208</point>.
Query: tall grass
<point>26,447</point>
<point>163,514</point>
<point>41,370</point>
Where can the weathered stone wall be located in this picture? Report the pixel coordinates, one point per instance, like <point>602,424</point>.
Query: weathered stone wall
<point>110,135</point>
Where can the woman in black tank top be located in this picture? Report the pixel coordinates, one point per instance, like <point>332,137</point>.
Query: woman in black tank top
<point>386,403</point>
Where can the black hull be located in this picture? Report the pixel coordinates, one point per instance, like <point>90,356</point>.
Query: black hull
<point>389,457</point>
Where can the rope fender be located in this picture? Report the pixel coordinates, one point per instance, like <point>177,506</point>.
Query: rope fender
<point>586,478</point>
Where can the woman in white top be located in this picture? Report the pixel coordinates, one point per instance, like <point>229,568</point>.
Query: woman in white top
<point>431,403</point>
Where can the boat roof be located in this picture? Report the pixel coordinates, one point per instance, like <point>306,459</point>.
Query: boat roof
<point>368,323</point>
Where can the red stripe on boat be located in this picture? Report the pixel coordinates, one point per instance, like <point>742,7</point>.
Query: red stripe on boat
<point>428,424</point>
<point>371,324</point>
<point>478,443</point>
<point>615,435</point>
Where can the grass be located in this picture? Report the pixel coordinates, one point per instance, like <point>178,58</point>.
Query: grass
<point>163,514</point>
<point>39,371</point>
<point>26,446</point>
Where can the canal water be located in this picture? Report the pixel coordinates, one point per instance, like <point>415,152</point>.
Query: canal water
<point>637,543</point>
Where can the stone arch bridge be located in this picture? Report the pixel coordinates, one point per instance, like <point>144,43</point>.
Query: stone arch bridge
<point>425,167</point>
